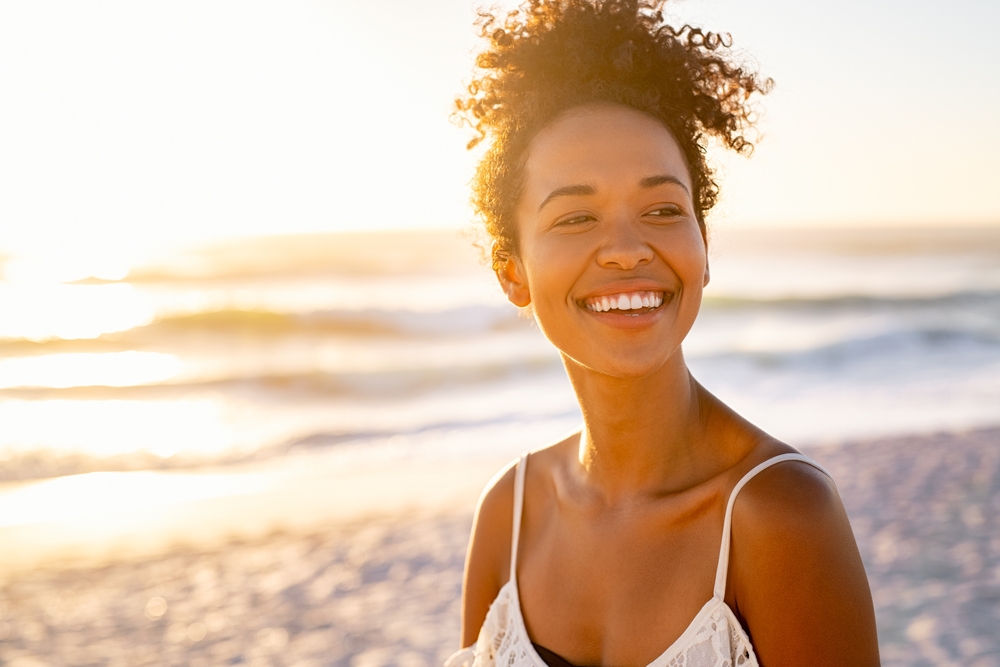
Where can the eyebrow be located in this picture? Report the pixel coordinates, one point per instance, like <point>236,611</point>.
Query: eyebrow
<point>568,191</point>
<point>578,190</point>
<point>660,179</point>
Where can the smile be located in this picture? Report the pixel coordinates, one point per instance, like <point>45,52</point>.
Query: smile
<point>626,301</point>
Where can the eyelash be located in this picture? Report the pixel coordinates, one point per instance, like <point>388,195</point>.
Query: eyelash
<point>672,211</point>
<point>576,219</point>
<point>668,212</point>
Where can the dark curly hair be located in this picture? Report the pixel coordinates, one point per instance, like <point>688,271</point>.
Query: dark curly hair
<point>549,56</point>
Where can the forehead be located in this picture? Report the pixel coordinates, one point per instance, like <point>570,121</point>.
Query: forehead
<point>602,145</point>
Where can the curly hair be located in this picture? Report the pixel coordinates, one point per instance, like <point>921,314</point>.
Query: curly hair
<point>549,56</point>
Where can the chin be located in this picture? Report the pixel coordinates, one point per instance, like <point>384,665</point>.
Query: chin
<point>629,367</point>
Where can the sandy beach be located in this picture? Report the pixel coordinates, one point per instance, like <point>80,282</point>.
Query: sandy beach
<point>385,590</point>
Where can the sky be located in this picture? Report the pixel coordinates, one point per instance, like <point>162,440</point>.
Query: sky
<point>129,127</point>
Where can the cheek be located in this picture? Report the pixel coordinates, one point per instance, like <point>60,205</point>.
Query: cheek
<point>694,284</point>
<point>562,272</point>
<point>551,268</point>
<point>696,253</point>
<point>548,285</point>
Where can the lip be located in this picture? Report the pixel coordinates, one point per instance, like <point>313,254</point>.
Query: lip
<point>629,319</point>
<point>619,287</point>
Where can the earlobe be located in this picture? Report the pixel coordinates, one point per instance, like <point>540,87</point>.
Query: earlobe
<point>511,277</point>
<point>707,275</point>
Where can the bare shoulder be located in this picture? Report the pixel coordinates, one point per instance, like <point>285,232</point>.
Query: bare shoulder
<point>796,576</point>
<point>484,562</point>
<point>487,564</point>
<point>789,494</point>
<point>788,519</point>
<point>494,521</point>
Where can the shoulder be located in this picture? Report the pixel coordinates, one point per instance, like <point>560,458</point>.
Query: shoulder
<point>499,491</point>
<point>796,575</point>
<point>494,521</point>
<point>788,494</point>
<point>787,518</point>
<point>487,566</point>
<point>488,558</point>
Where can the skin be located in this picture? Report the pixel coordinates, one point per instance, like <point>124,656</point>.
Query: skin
<point>623,520</point>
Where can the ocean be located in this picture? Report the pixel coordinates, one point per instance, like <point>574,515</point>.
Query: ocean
<point>343,348</point>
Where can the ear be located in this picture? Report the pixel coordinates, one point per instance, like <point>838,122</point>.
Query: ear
<point>707,275</point>
<point>512,280</point>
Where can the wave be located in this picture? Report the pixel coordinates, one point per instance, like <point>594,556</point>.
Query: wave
<point>458,321</point>
<point>287,386</point>
<point>796,333</point>
<point>18,466</point>
<point>464,321</point>
<point>927,346</point>
<point>473,319</point>
<point>484,318</point>
<point>962,299</point>
<point>324,439</point>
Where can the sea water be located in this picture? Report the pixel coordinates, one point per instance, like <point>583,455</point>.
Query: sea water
<point>346,348</point>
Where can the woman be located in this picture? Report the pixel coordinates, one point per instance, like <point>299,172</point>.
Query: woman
<point>668,530</point>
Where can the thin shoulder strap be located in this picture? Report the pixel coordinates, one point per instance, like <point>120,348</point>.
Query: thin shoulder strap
<point>518,511</point>
<point>727,527</point>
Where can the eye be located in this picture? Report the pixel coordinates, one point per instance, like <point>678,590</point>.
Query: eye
<point>577,219</point>
<point>666,211</point>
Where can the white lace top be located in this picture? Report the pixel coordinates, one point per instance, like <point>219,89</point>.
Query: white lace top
<point>714,637</point>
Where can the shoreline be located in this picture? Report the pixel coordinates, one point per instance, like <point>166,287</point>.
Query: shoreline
<point>127,516</point>
<point>381,588</point>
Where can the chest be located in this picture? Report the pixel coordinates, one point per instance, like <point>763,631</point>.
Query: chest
<point>617,589</point>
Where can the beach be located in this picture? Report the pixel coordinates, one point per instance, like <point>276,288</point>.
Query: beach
<point>256,366</point>
<point>268,451</point>
<point>385,589</point>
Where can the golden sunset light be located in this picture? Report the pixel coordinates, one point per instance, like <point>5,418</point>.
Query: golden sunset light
<point>255,367</point>
<point>306,117</point>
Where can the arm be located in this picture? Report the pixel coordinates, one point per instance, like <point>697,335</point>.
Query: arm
<point>488,561</point>
<point>797,576</point>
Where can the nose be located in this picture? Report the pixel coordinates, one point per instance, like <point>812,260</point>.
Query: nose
<point>622,246</point>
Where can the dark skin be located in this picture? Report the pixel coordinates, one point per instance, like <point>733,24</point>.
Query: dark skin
<point>623,521</point>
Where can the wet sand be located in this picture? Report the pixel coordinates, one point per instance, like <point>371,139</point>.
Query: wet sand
<point>385,591</point>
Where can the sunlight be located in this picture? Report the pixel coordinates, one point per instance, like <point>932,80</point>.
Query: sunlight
<point>110,369</point>
<point>114,427</point>
<point>62,267</point>
<point>45,311</point>
<point>109,497</point>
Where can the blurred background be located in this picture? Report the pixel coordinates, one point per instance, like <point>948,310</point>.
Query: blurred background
<point>254,373</point>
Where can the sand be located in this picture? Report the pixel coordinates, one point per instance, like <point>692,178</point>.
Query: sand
<point>106,517</point>
<point>386,591</point>
<point>924,511</point>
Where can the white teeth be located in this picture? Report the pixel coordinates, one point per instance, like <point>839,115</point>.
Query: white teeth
<point>633,301</point>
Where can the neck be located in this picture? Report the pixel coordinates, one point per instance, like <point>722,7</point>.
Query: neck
<point>642,435</point>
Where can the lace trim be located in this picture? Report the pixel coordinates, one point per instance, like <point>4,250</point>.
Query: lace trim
<point>717,641</point>
<point>714,638</point>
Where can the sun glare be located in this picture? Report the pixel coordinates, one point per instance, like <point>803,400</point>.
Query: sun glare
<point>46,311</point>
<point>113,427</point>
<point>111,369</point>
<point>57,267</point>
<point>110,497</point>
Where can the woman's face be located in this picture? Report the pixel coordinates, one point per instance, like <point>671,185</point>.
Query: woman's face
<point>610,256</point>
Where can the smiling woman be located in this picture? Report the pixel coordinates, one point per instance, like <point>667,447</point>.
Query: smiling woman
<point>668,530</point>
<point>635,206</point>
